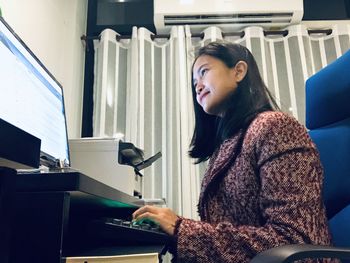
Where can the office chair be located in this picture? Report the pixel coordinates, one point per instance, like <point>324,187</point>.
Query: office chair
<point>328,121</point>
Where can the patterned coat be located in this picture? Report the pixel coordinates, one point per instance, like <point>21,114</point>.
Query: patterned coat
<point>268,196</point>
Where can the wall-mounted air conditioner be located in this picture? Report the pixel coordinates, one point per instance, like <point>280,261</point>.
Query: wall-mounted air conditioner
<point>229,15</point>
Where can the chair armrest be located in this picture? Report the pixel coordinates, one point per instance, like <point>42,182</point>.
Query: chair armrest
<point>291,253</point>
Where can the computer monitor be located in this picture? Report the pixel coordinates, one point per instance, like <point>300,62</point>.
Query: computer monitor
<point>30,97</point>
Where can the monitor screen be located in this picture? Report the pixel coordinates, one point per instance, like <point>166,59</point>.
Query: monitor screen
<point>31,98</point>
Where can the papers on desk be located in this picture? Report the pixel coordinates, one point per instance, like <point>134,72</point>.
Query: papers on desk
<point>137,258</point>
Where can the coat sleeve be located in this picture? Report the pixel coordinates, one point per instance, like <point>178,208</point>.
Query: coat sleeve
<point>289,201</point>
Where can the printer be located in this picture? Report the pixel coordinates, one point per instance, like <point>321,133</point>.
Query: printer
<point>111,161</point>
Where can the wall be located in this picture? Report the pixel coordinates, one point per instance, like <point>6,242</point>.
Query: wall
<point>52,30</point>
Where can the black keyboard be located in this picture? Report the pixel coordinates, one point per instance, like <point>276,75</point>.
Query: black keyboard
<point>127,232</point>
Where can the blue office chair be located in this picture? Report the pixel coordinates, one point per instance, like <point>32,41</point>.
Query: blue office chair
<point>328,119</point>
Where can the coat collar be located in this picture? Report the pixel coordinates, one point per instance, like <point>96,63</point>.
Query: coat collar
<point>218,165</point>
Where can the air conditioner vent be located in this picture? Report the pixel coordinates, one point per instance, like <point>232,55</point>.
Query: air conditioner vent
<point>226,16</point>
<point>251,18</point>
<point>261,22</point>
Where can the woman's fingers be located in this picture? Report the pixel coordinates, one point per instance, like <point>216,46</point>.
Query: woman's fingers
<point>144,209</point>
<point>146,215</point>
<point>165,217</point>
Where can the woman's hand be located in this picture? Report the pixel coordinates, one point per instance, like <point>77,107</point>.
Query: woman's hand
<point>165,217</point>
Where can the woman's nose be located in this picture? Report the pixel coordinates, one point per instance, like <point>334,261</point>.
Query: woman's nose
<point>199,87</point>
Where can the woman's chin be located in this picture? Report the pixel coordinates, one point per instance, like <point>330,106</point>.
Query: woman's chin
<point>209,111</point>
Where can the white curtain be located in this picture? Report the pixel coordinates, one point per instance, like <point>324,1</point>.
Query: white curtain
<point>142,90</point>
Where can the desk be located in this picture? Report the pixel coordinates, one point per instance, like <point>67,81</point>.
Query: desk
<point>6,189</point>
<point>50,212</point>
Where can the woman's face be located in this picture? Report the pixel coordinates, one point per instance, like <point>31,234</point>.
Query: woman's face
<point>214,83</point>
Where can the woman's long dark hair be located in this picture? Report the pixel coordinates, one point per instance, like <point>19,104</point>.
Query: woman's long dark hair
<point>250,98</point>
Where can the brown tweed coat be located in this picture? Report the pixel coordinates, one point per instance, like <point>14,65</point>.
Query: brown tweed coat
<point>268,196</point>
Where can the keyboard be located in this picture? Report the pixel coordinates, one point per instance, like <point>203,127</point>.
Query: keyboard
<point>127,232</point>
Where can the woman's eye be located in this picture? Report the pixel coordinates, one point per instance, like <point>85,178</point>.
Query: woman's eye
<point>202,72</point>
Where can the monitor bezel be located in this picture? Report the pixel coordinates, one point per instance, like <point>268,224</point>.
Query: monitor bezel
<point>45,158</point>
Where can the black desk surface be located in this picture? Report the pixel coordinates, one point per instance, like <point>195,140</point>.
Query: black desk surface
<point>81,187</point>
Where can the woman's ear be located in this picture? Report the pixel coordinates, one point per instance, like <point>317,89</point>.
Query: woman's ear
<point>241,69</point>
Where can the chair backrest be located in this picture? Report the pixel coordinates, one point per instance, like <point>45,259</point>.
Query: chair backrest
<point>328,121</point>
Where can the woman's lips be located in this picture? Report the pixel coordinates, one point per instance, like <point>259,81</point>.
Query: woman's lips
<point>202,96</point>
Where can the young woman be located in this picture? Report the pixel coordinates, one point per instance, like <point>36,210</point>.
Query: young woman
<point>263,184</point>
